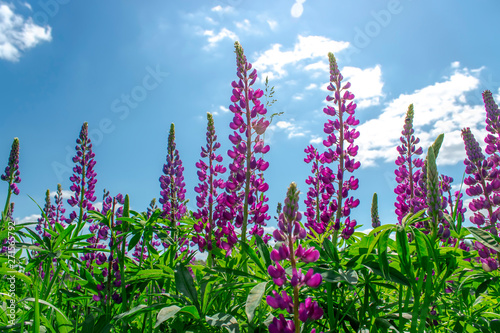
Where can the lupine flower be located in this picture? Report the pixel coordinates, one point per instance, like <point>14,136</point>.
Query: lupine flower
<point>207,189</point>
<point>411,197</point>
<point>46,223</point>
<point>483,183</point>
<point>172,195</point>
<point>289,232</point>
<point>173,192</point>
<point>244,201</point>
<point>59,209</point>
<point>319,211</point>
<point>152,207</point>
<point>493,126</point>
<point>341,135</point>
<point>12,174</point>
<point>83,178</point>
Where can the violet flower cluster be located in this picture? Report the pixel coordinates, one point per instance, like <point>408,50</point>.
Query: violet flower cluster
<point>207,189</point>
<point>289,232</point>
<point>483,185</point>
<point>83,178</point>
<point>173,192</point>
<point>244,201</point>
<point>413,193</point>
<point>410,196</point>
<point>12,176</point>
<point>328,201</point>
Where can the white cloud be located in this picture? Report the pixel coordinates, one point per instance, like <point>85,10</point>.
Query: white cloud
<point>222,10</point>
<point>455,64</point>
<point>366,84</point>
<point>28,219</point>
<point>213,38</point>
<point>223,109</point>
<point>289,128</point>
<point>298,97</point>
<point>306,48</point>
<point>272,24</point>
<point>297,8</point>
<point>439,108</point>
<point>312,86</point>
<point>316,139</point>
<point>18,34</point>
<point>245,25</point>
<point>211,20</point>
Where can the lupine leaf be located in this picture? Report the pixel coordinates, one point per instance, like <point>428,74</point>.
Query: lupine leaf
<point>255,258</point>
<point>224,320</point>
<point>254,298</point>
<point>166,313</point>
<point>263,250</point>
<point>185,284</point>
<point>486,238</point>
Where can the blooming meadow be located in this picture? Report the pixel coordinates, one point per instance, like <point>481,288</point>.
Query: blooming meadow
<point>83,269</point>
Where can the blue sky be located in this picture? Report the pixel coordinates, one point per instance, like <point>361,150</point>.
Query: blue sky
<point>131,68</point>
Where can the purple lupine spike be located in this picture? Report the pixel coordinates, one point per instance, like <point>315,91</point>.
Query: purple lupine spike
<point>173,191</point>
<point>207,189</point>
<point>319,211</point>
<point>244,201</point>
<point>290,232</point>
<point>484,185</point>
<point>83,178</point>
<point>152,207</point>
<point>492,124</point>
<point>47,221</point>
<point>59,209</point>
<point>410,195</point>
<point>12,174</point>
<point>332,212</point>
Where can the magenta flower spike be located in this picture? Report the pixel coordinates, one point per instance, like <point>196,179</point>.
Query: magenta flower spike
<point>484,186</point>
<point>173,192</point>
<point>244,201</point>
<point>207,189</point>
<point>321,190</point>
<point>410,196</point>
<point>330,214</point>
<point>289,232</point>
<point>47,221</point>
<point>83,179</point>
<point>12,175</point>
<point>492,126</point>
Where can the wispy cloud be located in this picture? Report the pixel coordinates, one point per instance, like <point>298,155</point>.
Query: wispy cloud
<point>439,108</point>
<point>18,34</point>
<point>290,128</point>
<point>306,50</point>
<point>214,38</point>
<point>222,10</point>
<point>272,24</point>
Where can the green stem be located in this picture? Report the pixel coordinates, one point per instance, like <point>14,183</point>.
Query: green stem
<point>331,317</point>
<point>36,321</point>
<point>7,202</point>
